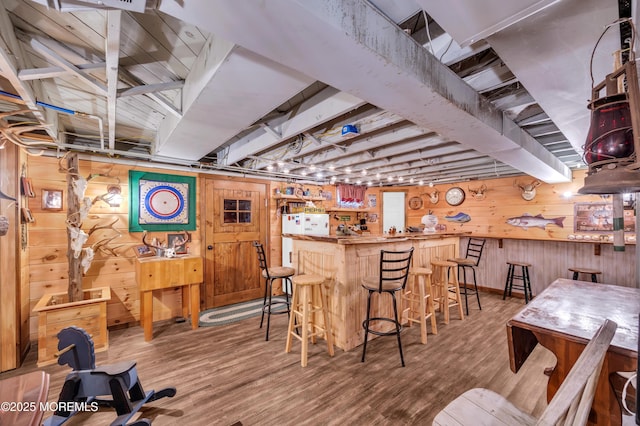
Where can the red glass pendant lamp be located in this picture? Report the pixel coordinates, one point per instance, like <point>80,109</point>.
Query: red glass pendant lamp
<point>613,143</point>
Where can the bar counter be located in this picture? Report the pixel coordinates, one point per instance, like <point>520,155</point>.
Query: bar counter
<point>345,260</point>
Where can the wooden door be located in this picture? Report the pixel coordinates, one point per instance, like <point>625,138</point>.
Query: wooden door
<point>234,216</point>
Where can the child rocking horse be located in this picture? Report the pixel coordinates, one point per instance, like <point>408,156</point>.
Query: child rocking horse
<point>86,383</point>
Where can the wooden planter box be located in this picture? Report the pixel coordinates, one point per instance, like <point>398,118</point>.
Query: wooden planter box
<point>56,313</point>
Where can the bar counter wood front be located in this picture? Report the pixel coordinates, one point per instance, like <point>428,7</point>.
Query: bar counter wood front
<point>345,260</point>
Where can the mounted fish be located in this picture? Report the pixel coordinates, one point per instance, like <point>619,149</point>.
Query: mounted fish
<point>527,221</point>
<point>460,218</point>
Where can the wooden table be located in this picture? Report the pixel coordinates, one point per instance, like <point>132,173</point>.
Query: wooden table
<point>155,273</point>
<point>563,318</point>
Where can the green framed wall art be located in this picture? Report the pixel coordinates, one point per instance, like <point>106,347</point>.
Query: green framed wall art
<point>161,202</point>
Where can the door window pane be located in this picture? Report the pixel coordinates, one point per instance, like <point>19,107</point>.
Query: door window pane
<point>237,211</point>
<point>230,217</point>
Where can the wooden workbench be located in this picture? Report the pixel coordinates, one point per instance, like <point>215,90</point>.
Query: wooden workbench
<point>155,273</point>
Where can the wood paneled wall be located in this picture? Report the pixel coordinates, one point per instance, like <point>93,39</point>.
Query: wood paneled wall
<point>551,260</point>
<point>502,201</point>
<point>14,295</point>
<point>47,243</point>
<point>45,266</point>
<point>551,252</point>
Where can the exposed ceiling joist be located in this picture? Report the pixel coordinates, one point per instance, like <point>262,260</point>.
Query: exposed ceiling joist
<point>11,60</point>
<point>326,105</point>
<point>376,62</point>
<point>112,53</point>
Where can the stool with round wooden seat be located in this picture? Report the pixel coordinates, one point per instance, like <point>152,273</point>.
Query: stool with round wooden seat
<point>446,287</point>
<point>307,300</point>
<point>270,274</point>
<point>587,271</point>
<point>419,298</point>
<point>523,276</point>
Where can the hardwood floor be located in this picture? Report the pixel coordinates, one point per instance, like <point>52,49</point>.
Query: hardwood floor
<point>229,374</point>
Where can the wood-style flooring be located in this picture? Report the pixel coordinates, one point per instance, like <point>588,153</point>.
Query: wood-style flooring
<point>230,374</point>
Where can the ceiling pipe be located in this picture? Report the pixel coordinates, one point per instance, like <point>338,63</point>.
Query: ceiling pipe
<point>63,110</point>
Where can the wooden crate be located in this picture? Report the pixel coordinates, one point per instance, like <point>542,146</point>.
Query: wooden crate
<point>55,314</point>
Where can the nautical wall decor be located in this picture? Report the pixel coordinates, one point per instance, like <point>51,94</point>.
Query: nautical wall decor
<point>527,221</point>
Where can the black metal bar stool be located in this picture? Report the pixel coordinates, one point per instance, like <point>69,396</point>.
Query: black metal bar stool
<point>593,272</point>
<point>470,261</point>
<point>394,271</point>
<point>524,276</point>
<point>271,274</point>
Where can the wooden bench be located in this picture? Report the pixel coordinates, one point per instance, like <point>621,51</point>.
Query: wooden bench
<point>570,405</point>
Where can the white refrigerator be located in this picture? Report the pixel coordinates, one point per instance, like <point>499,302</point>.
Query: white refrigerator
<point>301,224</point>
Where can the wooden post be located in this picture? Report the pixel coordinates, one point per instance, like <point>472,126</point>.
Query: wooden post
<point>73,208</point>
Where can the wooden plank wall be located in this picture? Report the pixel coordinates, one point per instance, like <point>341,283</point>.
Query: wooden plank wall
<point>550,247</point>
<point>46,251</point>
<point>11,322</point>
<point>47,243</point>
<point>551,260</point>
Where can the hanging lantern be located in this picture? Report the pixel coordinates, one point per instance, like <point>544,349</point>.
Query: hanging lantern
<point>610,135</point>
<point>612,144</point>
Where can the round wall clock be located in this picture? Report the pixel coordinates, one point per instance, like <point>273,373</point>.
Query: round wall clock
<point>454,196</point>
<point>415,203</point>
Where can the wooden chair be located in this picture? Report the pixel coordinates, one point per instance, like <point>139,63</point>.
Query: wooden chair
<point>569,406</point>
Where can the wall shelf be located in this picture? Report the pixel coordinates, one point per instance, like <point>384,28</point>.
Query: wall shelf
<point>285,197</point>
<point>348,209</point>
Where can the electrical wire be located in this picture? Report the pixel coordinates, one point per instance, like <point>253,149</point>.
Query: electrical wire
<point>426,27</point>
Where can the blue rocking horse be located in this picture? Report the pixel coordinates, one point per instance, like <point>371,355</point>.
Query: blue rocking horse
<point>86,383</point>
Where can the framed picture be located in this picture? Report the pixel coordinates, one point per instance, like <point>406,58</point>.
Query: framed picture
<point>593,217</point>
<point>161,202</point>
<point>177,242</point>
<point>27,187</point>
<point>52,199</point>
<point>144,251</point>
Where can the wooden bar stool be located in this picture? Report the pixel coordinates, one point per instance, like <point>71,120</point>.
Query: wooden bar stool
<point>419,296</point>
<point>524,276</point>
<point>592,272</point>
<point>447,288</point>
<point>308,298</point>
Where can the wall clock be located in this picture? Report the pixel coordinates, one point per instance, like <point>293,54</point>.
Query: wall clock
<point>415,203</point>
<point>454,196</point>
